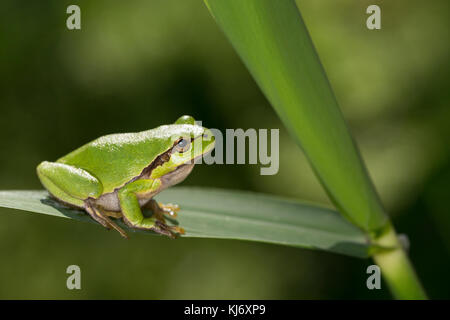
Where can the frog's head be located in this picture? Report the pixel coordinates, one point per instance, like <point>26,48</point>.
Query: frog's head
<point>188,142</point>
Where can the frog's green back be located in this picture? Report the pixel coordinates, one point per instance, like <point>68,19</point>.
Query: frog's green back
<point>116,159</point>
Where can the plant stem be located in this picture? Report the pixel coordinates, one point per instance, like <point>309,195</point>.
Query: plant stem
<point>396,268</point>
<point>272,39</point>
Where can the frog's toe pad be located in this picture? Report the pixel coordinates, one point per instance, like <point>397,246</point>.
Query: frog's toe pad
<point>177,229</point>
<point>169,209</point>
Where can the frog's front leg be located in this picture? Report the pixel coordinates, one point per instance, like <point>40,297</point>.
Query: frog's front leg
<point>132,214</point>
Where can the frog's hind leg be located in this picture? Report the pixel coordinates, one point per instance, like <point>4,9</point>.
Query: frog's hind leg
<point>112,214</point>
<point>102,217</point>
<point>76,187</point>
<point>68,183</point>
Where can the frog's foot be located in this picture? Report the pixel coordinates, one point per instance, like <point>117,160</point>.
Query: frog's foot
<point>161,210</point>
<point>103,219</point>
<point>173,230</point>
<point>155,225</point>
<point>169,209</point>
<point>112,214</point>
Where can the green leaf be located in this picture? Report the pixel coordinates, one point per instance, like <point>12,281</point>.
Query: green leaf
<point>221,214</point>
<point>273,42</point>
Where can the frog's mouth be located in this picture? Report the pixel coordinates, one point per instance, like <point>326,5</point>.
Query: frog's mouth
<point>177,175</point>
<point>183,167</point>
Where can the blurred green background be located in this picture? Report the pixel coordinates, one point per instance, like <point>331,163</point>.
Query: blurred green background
<point>137,64</point>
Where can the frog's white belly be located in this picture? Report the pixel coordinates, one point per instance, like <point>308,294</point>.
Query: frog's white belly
<point>110,201</point>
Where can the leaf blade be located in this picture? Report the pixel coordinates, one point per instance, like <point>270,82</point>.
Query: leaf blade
<point>224,214</point>
<point>274,43</point>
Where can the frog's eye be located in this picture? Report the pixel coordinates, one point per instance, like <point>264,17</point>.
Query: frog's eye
<point>182,145</point>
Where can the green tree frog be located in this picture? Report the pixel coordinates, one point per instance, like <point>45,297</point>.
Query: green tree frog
<point>119,174</point>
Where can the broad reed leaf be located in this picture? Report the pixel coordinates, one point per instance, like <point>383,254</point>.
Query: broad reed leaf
<point>222,214</point>
<point>272,40</point>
